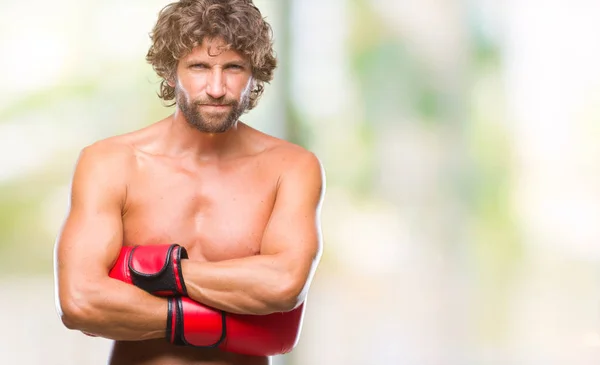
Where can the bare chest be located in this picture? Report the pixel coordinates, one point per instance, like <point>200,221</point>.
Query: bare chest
<point>216,214</point>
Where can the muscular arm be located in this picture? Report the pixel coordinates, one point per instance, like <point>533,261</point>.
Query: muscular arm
<point>278,278</point>
<point>90,241</point>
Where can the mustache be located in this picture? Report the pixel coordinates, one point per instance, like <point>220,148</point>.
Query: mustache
<point>210,101</point>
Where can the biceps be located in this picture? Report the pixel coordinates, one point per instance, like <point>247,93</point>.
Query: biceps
<point>294,229</point>
<point>87,246</point>
<point>295,236</point>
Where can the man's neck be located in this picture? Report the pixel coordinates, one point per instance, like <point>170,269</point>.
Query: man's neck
<point>183,139</point>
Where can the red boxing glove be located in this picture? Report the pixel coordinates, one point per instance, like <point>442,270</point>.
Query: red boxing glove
<point>155,268</point>
<point>193,324</point>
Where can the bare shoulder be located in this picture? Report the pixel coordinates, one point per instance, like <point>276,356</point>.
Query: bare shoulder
<point>119,151</point>
<point>102,170</point>
<point>297,168</point>
<point>113,154</point>
<point>296,159</point>
<point>288,157</point>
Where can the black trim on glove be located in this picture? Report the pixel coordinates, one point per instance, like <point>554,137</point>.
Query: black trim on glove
<point>168,280</point>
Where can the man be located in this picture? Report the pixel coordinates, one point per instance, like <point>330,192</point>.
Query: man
<point>195,239</point>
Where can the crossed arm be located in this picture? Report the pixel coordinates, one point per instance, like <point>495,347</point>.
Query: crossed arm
<point>278,278</point>
<point>91,239</point>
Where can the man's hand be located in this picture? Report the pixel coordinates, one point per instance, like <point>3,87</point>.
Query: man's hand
<point>194,324</point>
<point>190,323</point>
<point>155,269</point>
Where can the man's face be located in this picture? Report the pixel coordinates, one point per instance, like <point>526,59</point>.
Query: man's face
<point>213,87</point>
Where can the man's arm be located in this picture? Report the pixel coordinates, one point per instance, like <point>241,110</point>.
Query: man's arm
<point>278,278</point>
<point>90,241</point>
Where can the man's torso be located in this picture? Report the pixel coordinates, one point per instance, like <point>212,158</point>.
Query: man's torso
<point>217,210</point>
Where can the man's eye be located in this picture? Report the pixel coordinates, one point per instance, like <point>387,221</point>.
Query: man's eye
<point>198,65</point>
<point>235,67</point>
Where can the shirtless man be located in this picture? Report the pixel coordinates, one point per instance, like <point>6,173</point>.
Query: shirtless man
<point>242,206</point>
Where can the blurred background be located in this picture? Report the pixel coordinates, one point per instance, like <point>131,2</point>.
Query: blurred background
<point>461,142</point>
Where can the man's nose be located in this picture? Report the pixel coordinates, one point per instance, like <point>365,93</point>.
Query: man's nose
<point>215,86</point>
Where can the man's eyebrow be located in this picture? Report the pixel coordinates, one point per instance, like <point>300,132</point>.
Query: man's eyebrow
<point>237,63</point>
<point>196,62</point>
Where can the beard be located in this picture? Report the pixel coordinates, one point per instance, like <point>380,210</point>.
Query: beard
<point>214,122</point>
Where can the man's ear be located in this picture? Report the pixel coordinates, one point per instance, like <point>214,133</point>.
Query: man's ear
<point>171,81</point>
<point>171,78</point>
<point>252,83</point>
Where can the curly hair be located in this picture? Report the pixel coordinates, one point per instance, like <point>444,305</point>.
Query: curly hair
<point>183,25</point>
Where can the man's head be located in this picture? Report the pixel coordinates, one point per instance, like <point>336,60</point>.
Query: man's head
<point>214,57</point>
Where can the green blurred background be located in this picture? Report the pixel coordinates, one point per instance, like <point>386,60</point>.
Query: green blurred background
<point>460,141</point>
